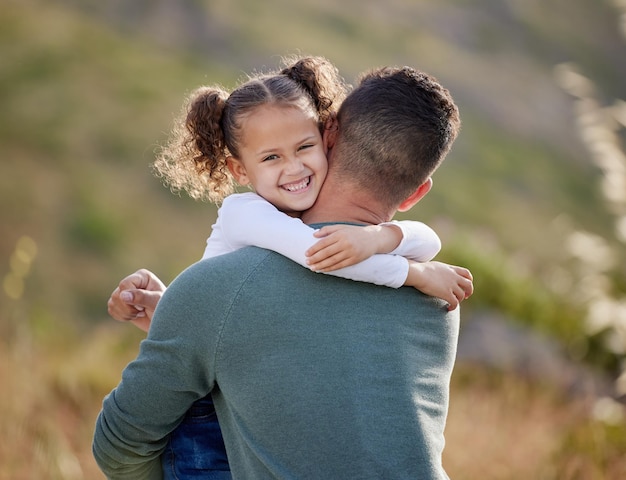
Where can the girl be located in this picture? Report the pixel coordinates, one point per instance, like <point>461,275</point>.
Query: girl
<point>268,134</point>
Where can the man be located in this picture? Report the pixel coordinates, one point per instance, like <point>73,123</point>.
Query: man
<point>312,376</point>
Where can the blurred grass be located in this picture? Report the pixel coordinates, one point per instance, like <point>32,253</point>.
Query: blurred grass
<point>85,102</point>
<point>87,93</point>
<point>501,426</point>
<point>52,393</point>
<point>506,427</point>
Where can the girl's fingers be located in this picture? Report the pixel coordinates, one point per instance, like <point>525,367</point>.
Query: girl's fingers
<point>325,231</point>
<point>328,264</point>
<point>324,243</point>
<point>326,253</point>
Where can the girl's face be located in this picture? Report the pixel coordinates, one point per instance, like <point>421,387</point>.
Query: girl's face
<point>282,156</point>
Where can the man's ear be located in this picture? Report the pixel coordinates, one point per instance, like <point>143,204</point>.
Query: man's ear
<point>238,170</point>
<point>416,196</point>
<point>330,132</point>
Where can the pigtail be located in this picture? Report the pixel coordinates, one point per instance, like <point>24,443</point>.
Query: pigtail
<point>204,126</point>
<point>194,159</point>
<point>321,80</point>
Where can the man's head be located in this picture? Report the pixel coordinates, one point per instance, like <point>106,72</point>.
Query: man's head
<point>395,128</point>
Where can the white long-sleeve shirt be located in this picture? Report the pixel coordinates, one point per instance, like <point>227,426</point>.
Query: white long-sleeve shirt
<point>246,219</point>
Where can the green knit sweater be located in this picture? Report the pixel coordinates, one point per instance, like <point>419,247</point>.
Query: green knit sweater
<point>312,376</point>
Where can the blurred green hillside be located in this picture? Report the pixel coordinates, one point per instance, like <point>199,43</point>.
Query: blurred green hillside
<point>89,88</point>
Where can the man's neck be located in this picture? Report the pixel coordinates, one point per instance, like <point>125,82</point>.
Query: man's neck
<point>340,203</point>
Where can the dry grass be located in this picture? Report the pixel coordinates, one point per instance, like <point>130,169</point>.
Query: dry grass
<point>505,427</point>
<point>500,427</point>
<point>51,396</point>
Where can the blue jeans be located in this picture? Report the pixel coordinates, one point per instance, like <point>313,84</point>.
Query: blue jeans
<point>196,448</point>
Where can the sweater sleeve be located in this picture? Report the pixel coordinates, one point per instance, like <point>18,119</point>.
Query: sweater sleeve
<point>419,241</point>
<point>171,371</point>
<point>248,219</point>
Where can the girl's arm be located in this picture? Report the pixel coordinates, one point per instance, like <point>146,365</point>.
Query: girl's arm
<point>419,241</point>
<point>344,245</point>
<point>248,219</point>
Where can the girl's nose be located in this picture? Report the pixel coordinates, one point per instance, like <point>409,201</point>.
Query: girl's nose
<point>294,165</point>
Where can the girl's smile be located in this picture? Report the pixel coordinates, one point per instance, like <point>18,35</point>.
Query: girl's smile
<point>298,186</point>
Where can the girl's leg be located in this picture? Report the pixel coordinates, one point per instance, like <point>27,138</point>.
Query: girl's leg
<point>196,448</point>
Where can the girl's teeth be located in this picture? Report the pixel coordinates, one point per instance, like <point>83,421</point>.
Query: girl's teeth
<point>294,187</point>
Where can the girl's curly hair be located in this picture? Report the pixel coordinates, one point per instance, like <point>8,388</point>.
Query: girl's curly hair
<point>209,129</point>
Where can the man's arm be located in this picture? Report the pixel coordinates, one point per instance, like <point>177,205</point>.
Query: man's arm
<point>172,370</point>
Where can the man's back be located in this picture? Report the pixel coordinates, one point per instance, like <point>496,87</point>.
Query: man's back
<point>320,377</point>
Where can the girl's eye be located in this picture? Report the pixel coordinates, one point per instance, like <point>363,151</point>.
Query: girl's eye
<point>308,145</point>
<point>270,157</point>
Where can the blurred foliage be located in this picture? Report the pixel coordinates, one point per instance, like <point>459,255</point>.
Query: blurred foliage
<point>504,283</point>
<point>89,89</point>
<point>592,449</point>
<point>505,420</point>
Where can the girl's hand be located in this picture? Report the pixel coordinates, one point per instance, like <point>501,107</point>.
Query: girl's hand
<point>448,282</point>
<point>344,245</point>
